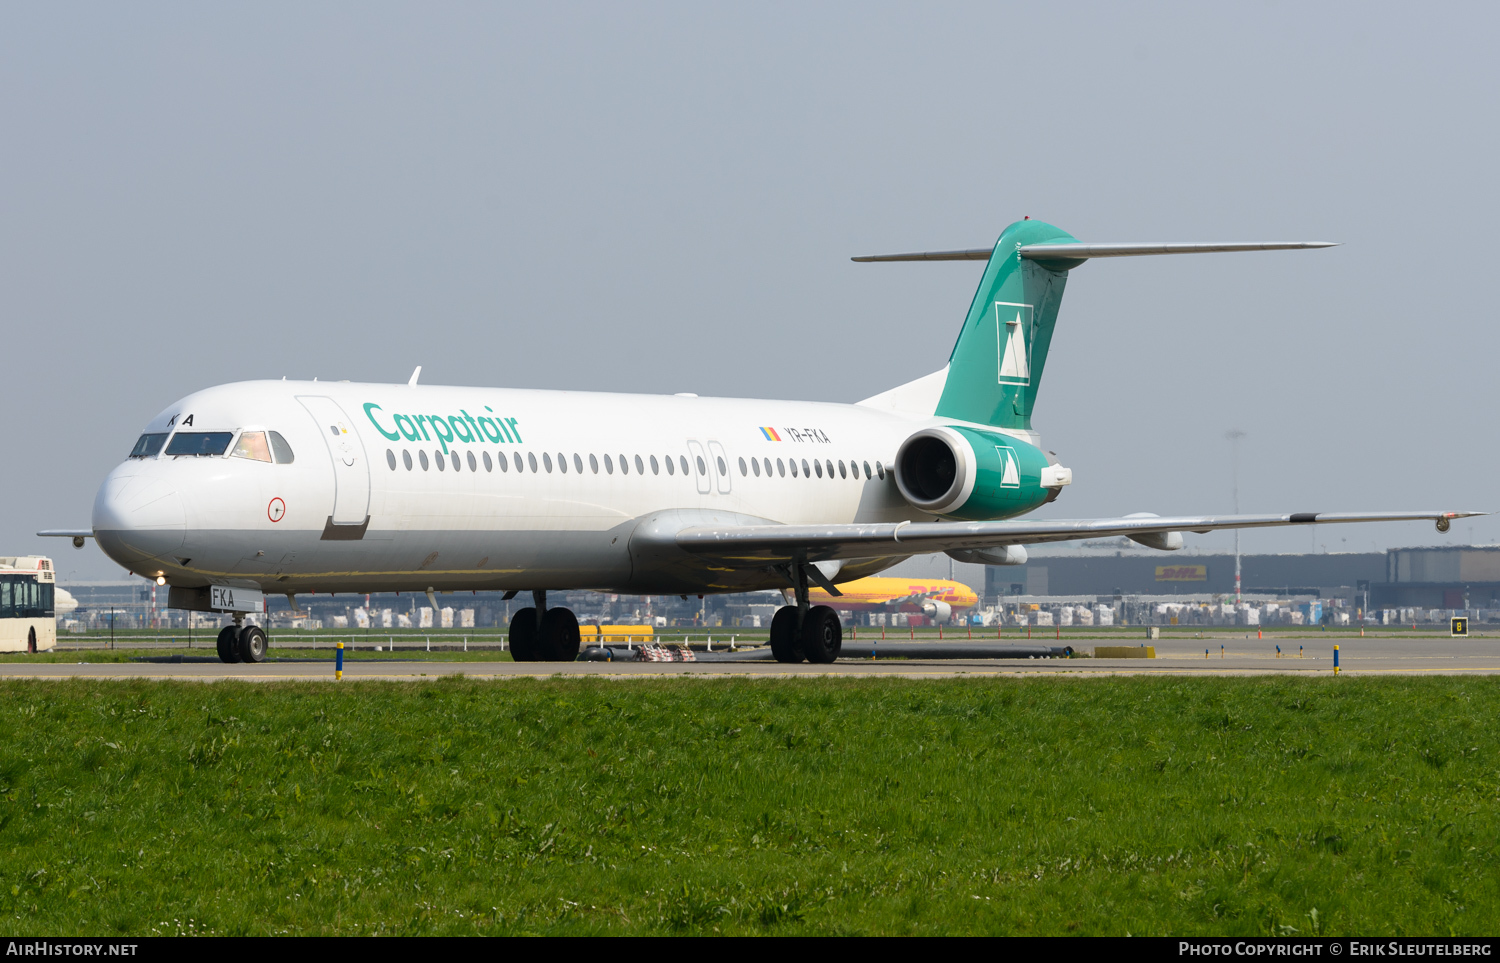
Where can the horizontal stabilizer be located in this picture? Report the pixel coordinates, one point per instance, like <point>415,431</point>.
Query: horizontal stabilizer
<point>1082,251</point>
<point>1139,248</point>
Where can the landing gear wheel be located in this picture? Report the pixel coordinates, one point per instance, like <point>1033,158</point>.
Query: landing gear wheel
<point>560,637</point>
<point>253,644</point>
<point>229,644</point>
<point>523,635</point>
<point>822,635</point>
<point>785,645</point>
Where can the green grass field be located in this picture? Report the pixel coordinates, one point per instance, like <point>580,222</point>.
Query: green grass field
<point>1149,806</point>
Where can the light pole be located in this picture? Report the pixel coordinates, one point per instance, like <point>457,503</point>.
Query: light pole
<point>1234,435</point>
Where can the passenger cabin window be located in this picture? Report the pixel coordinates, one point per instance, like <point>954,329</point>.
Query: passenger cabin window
<point>200,443</point>
<point>148,445</point>
<point>253,445</point>
<point>280,448</point>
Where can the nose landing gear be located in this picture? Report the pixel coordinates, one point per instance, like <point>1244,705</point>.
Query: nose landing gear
<point>242,643</point>
<point>229,644</point>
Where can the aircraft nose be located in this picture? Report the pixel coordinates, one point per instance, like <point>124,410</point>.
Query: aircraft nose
<point>137,518</point>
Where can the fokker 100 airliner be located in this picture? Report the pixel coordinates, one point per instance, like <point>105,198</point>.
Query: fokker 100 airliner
<point>297,487</point>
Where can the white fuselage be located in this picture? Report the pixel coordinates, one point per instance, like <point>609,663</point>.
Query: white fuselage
<point>341,518</point>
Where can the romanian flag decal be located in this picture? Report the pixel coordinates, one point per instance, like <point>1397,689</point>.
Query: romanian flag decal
<point>770,434</point>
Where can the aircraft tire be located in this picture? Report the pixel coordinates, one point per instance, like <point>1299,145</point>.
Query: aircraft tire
<point>560,639</point>
<point>822,635</point>
<point>785,646</point>
<point>523,635</point>
<point>253,644</point>
<point>229,644</point>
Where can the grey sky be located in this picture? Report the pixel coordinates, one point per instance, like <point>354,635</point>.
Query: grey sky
<point>665,198</point>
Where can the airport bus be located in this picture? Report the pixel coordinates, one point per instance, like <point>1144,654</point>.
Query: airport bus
<point>27,592</point>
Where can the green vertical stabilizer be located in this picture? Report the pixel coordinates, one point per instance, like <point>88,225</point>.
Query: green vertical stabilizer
<point>996,366</point>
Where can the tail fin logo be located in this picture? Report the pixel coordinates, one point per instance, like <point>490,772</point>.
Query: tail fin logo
<point>1013,322</point>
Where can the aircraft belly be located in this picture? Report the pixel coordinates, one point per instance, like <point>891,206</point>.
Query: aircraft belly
<point>302,561</point>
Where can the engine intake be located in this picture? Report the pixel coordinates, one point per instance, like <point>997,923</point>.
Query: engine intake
<point>935,470</point>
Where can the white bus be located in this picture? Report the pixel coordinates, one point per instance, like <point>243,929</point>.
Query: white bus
<point>27,590</point>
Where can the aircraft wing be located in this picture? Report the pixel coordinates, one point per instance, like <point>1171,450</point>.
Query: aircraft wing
<point>749,545</point>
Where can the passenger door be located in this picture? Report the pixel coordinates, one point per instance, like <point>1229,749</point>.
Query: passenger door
<point>719,463</point>
<point>351,471</point>
<point>700,466</point>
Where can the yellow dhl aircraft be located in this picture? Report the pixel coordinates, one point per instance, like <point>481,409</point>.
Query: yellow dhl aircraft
<point>937,598</point>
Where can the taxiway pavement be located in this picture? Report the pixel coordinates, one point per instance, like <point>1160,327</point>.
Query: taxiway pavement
<point>1175,657</point>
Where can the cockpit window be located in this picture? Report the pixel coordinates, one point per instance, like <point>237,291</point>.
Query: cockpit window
<point>199,443</point>
<point>148,445</point>
<point>252,445</point>
<point>283,451</point>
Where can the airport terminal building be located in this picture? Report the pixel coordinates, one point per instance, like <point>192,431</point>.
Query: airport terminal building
<point>1458,577</point>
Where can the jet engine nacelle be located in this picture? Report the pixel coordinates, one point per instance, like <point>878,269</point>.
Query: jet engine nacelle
<point>937,611</point>
<point>965,473</point>
<point>1000,555</point>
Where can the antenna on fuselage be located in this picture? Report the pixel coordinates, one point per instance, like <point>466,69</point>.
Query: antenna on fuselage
<point>414,375</point>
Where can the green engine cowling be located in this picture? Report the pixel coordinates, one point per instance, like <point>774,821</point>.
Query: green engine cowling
<point>968,474</point>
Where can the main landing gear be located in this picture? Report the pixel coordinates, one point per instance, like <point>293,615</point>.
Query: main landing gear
<point>540,634</point>
<point>806,632</point>
<point>242,643</point>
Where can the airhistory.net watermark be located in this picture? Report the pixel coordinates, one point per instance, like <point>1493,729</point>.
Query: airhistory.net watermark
<point>59,948</point>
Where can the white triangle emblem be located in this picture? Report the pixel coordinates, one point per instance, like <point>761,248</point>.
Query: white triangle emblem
<point>1010,477</point>
<point>1015,358</point>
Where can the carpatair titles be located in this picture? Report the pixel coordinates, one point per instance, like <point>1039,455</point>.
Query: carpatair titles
<point>447,429</point>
